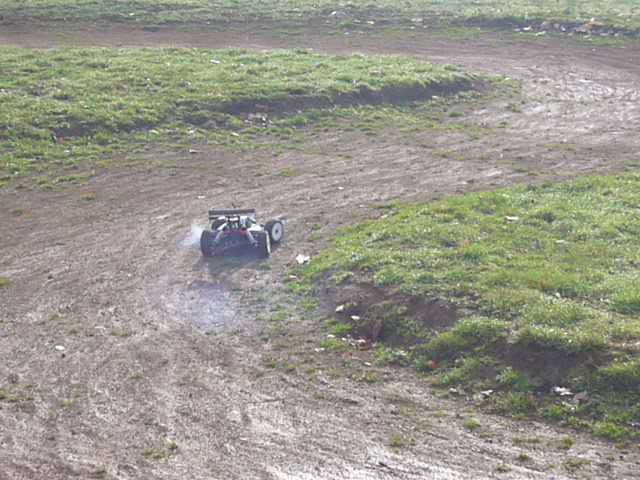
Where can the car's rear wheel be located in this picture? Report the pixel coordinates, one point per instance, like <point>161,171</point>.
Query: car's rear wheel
<point>275,228</point>
<point>264,244</point>
<point>206,243</point>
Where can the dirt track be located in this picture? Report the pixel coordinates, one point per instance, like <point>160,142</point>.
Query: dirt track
<point>111,282</point>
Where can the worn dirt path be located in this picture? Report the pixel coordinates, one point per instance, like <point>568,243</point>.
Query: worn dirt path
<point>111,281</point>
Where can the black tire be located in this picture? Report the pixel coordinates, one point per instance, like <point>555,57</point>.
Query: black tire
<point>275,228</point>
<point>264,244</point>
<point>206,243</point>
<point>216,224</point>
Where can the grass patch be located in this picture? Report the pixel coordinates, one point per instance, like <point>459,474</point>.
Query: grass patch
<point>565,443</point>
<point>572,465</point>
<point>471,423</point>
<point>4,282</point>
<point>332,344</point>
<point>154,453</point>
<point>70,108</point>
<point>610,431</point>
<point>366,377</point>
<point>389,356</point>
<point>545,281</point>
<point>340,329</point>
<point>352,15</point>
<point>401,441</point>
<point>89,197</point>
<point>520,441</point>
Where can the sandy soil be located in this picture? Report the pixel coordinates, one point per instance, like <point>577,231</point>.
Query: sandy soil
<point>117,339</point>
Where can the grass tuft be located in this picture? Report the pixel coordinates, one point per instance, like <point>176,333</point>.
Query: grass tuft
<point>471,423</point>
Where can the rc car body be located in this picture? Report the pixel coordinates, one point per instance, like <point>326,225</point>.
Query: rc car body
<point>238,229</point>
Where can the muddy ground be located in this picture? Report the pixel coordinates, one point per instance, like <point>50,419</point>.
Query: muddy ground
<point>125,356</point>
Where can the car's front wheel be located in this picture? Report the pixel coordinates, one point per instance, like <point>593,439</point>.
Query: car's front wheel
<point>275,228</point>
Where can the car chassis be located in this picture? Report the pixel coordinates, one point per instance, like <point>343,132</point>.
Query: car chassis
<point>239,229</point>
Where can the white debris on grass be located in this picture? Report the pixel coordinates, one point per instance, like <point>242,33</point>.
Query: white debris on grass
<point>562,392</point>
<point>302,259</point>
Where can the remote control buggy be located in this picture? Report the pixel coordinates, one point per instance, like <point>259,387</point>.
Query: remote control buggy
<point>238,230</point>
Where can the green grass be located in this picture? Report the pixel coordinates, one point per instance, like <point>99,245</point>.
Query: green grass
<point>545,279</point>
<point>526,441</point>
<point>341,329</point>
<point>618,12</point>
<point>66,108</point>
<point>366,377</point>
<point>572,465</point>
<point>399,441</point>
<point>161,454</point>
<point>565,443</point>
<point>332,344</point>
<point>471,423</point>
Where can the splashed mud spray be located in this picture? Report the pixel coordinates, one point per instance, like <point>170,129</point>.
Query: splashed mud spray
<point>192,239</point>
<point>207,304</point>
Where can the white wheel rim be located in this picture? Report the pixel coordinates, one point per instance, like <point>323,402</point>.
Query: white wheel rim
<point>276,232</point>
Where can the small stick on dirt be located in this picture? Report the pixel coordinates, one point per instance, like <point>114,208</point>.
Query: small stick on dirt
<point>435,435</point>
<point>268,400</point>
